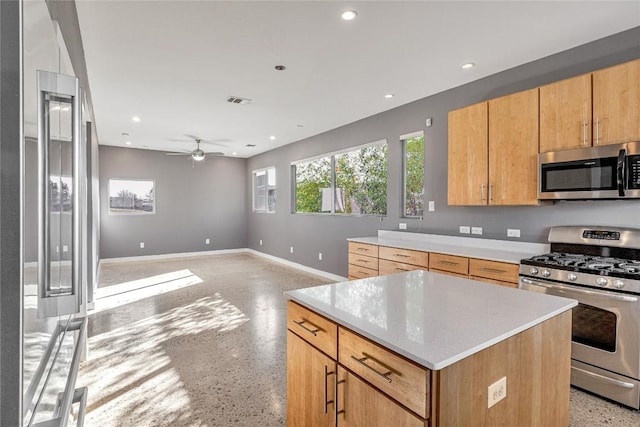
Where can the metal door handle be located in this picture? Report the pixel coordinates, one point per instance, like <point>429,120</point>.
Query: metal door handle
<point>447,263</point>
<point>335,398</point>
<point>603,378</point>
<point>311,331</point>
<point>492,270</point>
<point>363,249</point>
<point>482,192</point>
<point>383,375</point>
<point>597,131</point>
<point>326,392</point>
<point>402,255</point>
<point>602,294</point>
<point>400,269</point>
<point>584,132</point>
<point>490,192</point>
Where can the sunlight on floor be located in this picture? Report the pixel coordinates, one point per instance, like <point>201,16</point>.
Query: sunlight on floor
<point>132,361</point>
<point>127,292</point>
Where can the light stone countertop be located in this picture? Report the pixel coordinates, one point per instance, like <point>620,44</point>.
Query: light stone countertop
<point>430,318</point>
<point>495,250</point>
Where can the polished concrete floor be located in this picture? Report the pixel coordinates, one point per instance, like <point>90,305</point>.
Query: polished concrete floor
<point>201,342</point>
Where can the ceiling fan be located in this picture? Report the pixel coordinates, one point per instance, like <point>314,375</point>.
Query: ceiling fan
<point>198,154</point>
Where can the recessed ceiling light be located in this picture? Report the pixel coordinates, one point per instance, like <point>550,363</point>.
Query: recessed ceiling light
<point>280,67</point>
<point>128,142</point>
<point>125,134</point>
<point>272,137</point>
<point>300,126</point>
<point>135,118</point>
<point>389,95</point>
<point>234,153</point>
<point>468,65</point>
<point>349,15</point>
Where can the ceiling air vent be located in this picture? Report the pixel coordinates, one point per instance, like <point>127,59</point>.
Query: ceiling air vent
<point>238,100</point>
<point>251,145</point>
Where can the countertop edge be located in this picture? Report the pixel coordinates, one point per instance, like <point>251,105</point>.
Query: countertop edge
<point>443,363</point>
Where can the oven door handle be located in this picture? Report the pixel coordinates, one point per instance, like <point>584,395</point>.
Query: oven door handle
<point>603,378</point>
<point>580,291</point>
<point>622,184</point>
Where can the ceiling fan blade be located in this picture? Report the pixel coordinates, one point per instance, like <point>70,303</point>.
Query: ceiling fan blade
<point>178,140</point>
<point>215,153</point>
<point>177,154</point>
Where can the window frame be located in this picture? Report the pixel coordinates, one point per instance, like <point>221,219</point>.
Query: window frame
<point>266,188</point>
<point>403,141</point>
<point>134,212</point>
<point>332,156</point>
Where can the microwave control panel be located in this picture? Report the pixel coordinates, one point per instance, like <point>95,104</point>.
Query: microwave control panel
<point>634,172</point>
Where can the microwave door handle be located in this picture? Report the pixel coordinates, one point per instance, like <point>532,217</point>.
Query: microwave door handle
<point>622,156</point>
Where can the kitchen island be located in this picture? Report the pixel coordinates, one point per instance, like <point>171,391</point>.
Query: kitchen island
<point>426,349</point>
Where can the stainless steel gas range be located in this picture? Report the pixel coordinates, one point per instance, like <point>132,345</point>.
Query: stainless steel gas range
<point>599,267</point>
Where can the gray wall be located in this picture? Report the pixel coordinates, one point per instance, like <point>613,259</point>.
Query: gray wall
<point>192,204</point>
<point>310,234</point>
<point>10,264</point>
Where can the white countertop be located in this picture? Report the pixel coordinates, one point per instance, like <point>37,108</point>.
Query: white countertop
<point>494,250</point>
<point>430,318</point>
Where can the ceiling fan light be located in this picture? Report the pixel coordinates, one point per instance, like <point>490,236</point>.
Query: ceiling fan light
<point>197,155</point>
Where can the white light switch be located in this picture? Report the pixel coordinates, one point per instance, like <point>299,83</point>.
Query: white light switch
<point>320,256</point>
<point>513,232</point>
<point>65,248</point>
<point>465,229</point>
<point>291,249</point>
<point>432,206</point>
<point>260,242</point>
<point>207,241</point>
<point>141,245</point>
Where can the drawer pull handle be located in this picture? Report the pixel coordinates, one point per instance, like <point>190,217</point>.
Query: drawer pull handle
<point>493,270</point>
<point>402,255</point>
<point>326,391</point>
<point>383,375</point>
<point>363,260</point>
<point>311,331</point>
<point>401,269</point>
<point>447,263</point>
<point>363,249</point>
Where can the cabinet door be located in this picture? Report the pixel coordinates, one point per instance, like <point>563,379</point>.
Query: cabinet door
<point>310,385</point>
<point>365,406</point>
<point>616,104</point>
<point>513,149</point>
<point>468,161</point>
<point>565,114</point>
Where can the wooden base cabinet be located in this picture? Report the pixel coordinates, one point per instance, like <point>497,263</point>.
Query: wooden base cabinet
<point>360,405</point>
<point>310,385</point>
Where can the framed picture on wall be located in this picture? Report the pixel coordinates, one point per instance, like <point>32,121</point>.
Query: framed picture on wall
<point>131,196</point>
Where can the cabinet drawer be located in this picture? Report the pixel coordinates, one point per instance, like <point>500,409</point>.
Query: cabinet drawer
<point>401,379</point>
<point>501,271</point>
<point>313,328</point>
<point>452,263</point>
<point>363,261</point>
<point>495,282</point>
<point>392,267</point>
<point>405,256</point>
<point>363,249</point>
<point>357,272</point>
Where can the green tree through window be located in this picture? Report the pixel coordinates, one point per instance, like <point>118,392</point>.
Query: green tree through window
<point>414,176</point>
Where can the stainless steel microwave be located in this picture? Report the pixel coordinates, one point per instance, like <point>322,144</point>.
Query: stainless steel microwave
<point>604,172</point>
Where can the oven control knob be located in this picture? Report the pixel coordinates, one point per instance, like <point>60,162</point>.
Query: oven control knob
<point>601,281</point>
<point>533,271</point>
<point>618,284</point>
<point>546,273</point>
<point>572,277</point>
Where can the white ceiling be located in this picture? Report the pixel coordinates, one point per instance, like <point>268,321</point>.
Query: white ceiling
<point>174,63</point>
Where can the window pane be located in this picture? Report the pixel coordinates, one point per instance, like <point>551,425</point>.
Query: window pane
<point>131,196</point>
<point>271,190</point>
<point>361,181</point>
<point>259,190</point>
<point>414,176</point>
<point>313,185</point>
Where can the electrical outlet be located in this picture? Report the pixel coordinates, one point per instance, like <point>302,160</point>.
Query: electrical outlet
<point>65,248</point>
<point>497,392</point>
<point>465,229</point>
<point>291,249</point>
<point>260,242</point>
<point>402,226</point>
<point>320,256</point>
<point>432,206</point>
<point>513,232</point>
<point>476,230</point>
<point>207,241</point>
<point>141,245</point>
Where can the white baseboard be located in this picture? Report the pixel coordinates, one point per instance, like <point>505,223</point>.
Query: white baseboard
<point>167,256</point>
<point>311,270</point>
<point>292,264</point>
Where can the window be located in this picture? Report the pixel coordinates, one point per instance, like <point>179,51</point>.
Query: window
<point>264,190</point>
<point>413,165</point>
<point>131,196</point>
<point>346,182</point>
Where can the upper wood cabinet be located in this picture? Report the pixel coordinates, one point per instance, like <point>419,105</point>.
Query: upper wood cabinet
<point>616,104</point>
<point>513,149</point>
<point>468,155</point>
<point>493,148</point>
<point>565,114</point>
